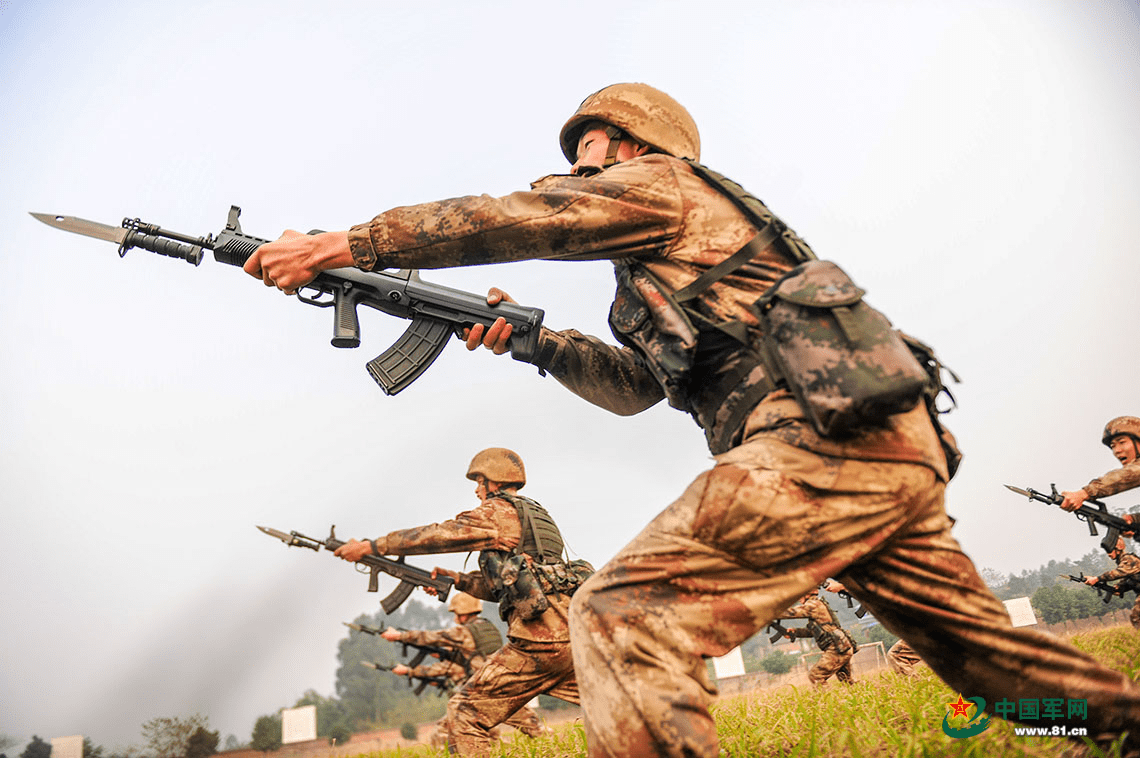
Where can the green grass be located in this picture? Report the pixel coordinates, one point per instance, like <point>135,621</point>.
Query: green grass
<point>882,716</point>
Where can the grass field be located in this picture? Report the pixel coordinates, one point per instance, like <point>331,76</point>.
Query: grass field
<point>883,715</point>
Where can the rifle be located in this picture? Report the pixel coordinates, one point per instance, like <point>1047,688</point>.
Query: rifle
<point>422,651</point>
<point>780,629</point>
<point>410,577</point>
<point>860,612</point>
<point>1105,590</point>
<point>442,683</point>
<point>1116,525</point>
<point>434,310</point>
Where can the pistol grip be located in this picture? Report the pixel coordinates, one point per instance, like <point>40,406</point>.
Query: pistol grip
<point>373,576</point>
<point>346,326</point>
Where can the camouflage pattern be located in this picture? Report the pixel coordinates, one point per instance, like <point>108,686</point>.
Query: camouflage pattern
<point>902,658</point>
<point>498,464</point>
<point>1129,425</point>
<point>1114,482</point>
<point>536,659</point>
<point>462,604</point>
<point>845,363</point>
<point>1128,564</point>
<point>645,113</point>
<point>778,513</point>
<point>836,645</point>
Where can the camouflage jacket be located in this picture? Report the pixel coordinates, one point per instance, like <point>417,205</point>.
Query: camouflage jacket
<point>1126,565</point>
<point>821,625</point>
<point>456,638</point>
<point>493,525</point>
<point>1115,481</point>
<point>653,211</point>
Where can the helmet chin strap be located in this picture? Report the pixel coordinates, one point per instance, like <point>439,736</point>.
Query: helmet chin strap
<point>615,136</point>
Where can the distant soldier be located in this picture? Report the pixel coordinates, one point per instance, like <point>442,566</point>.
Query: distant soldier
<point>1122,436</point>
<point>520,567</point>
<point>1127,565</point>
<point>835,643</point>
<point>472,639</point>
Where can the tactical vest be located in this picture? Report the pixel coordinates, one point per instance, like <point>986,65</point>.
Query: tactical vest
<point>487,637</point>
<point>522,578</point>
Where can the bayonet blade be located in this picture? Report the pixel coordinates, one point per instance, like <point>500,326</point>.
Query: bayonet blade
<point>286,538</point>
<point>1019,491</point>
<point>82,226</point>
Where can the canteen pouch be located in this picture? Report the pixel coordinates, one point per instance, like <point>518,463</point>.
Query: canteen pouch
<point>841,358</point>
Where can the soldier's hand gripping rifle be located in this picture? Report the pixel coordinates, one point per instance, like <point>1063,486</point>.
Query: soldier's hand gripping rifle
<point>442,683</point>
<point>860,612</point>
<point>1116,525</point>
<point>1105,590</point>
<point>422,651</point>
<point>410,577</point>
<point>435,311</point>
<point>780,631</point>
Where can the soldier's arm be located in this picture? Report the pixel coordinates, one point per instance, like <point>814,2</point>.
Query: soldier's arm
<point>482,528</point>
<point>1115,481</point>
<point>455,637</point>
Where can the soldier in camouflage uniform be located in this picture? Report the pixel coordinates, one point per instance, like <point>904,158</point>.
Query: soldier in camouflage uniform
<point>833,640</point>
<point>1122,437</point>
<point>472,639</point>
<point>1127,565</point>
<point>903,659</point>
<point>783,507</point>
<point>521,568</point>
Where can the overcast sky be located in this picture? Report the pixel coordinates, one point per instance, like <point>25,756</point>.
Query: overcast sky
<point>974,165</point>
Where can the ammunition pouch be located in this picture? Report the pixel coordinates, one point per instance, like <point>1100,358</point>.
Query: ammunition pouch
<point>845,364</point>
<point>516,588</point>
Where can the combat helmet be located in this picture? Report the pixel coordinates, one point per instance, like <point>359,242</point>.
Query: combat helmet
<point>498,464</point>
<point>1129,425</point>
<point>646,114</point>
<point>462,604</point>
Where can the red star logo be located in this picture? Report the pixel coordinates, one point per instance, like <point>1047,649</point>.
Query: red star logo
<point>961,708</point>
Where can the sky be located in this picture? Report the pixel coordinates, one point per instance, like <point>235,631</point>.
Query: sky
<point>973,165</point>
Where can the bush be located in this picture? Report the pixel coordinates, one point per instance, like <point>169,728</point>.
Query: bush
<point>778,662</point>
<point>408,731</point>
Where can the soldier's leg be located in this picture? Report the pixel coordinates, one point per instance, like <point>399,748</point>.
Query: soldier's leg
<point>830,664</point>
<point>1134,615</point>
<point>511,677</point>
<point>742,543</point>
<point>846,672</point>
<point>902,658</point>
<point>526,721</point>
<point>922,587</point>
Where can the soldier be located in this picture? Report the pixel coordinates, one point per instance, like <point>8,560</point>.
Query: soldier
<point>903,659</point>
<point>1121,436</point>
<point>833,640</point>
<point>472,639</point>
<point>784,507</point>
<point>521,568</point>
<point>1127,564</point>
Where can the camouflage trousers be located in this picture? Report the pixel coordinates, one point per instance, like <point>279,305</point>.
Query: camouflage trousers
<point>902,658</point>
<point>525,720</point>
<point>748,538</point>
<point>1134,614</point>
<point>515,674</point>
<point>832,663</point>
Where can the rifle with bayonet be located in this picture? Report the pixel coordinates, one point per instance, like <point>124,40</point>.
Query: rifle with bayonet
<point>1116,525</point>
<point>442,683</point>
<point>1105,590</point>
<point>422,651</point>
<point>410,576</point>
<point>434,310</point>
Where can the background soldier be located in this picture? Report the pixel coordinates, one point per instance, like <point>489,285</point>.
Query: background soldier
<point>472,639</point>
<point>520,543</point>
<point>833,640</point>
<point>1122,437</point>
<point>1127,564</point>
<point>783,507</point>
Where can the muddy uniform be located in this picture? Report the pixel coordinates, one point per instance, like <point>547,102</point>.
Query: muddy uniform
<point>461,640</point>
<point>1128,564</point>
<point>536,659</point>
<point>833,641</point>
<point>781,510</point>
